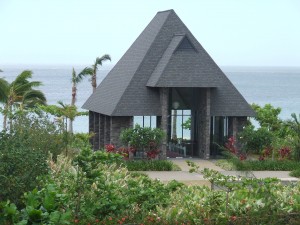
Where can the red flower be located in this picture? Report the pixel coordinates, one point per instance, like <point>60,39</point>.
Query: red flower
<point>230,145</point>
<point>110,148</point>
<point>152,154</point>
<point>243,157</point>
<point>285,152</point>
<point>233,218</point>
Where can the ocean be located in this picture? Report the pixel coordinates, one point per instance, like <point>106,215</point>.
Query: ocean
<point>279,86</point>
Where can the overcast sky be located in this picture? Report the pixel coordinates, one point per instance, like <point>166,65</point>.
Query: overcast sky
<point>234,32</point>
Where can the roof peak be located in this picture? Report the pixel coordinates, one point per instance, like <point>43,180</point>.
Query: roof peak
<point>168,10</point>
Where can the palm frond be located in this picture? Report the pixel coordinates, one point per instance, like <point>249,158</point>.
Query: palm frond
<point>87,71</point>
<point>21,88</point>
<point>103,58</point>
<point>62,104</point>
<point>23,77</point>
<point>4,87</point>
<point>35,83</point>
<point>34,95</point>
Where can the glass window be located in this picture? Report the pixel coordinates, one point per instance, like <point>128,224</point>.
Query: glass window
<point>179,117</point>
<point>145,121</point>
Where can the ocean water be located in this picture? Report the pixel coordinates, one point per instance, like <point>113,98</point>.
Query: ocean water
<point>279,86</point>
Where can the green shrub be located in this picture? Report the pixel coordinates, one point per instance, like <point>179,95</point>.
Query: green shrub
<point>23,153</point>
<point>238,201</point>
<point>255,140</point>
<point>38,133</point>
<point>100,187</point>
<point>295,173</point>
<point>150,165</point>
<point>256,165</point>
<point>20,165</point>
<point>143,139</point>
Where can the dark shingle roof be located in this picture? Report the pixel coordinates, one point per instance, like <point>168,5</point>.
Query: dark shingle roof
<point>166,54</point>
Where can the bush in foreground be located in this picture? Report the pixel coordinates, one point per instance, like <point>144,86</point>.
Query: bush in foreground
<point>96,189</point>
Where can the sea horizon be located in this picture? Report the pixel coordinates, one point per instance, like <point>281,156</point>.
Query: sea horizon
<point>277,85</point>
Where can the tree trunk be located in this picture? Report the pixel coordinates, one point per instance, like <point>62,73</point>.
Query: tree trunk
<point>4,120</point>
<point>94,82</point>
<point>70,128</point>
<point>74,92</point>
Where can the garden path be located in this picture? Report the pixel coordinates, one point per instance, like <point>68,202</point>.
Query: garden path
<point>197,179</point>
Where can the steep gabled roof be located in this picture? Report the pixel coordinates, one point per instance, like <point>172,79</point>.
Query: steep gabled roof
<point>166,54</point>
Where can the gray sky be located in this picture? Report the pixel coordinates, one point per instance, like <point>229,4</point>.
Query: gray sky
<point>234,32</point>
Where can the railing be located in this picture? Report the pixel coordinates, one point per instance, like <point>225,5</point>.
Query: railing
<point>177,148</point>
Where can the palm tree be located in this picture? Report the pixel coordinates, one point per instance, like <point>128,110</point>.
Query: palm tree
<point>94,68</point>
<point>20,93</point>
<point>63,111</point>
<point>69,112</point>
<point>76,79</point>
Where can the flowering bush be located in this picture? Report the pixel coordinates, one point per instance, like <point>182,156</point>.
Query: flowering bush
<point>144,140</point>
<point>285,153</point>
<point>121,150</point>
<point>266,153</point>
<point>230,146</point>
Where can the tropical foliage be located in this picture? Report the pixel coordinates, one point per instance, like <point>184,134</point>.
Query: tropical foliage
<point>272,136</point>
<point>19,94</point>
<point>67,196</point>
<point>63,112</point>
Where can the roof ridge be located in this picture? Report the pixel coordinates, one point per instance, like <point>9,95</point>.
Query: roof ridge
<point>179,34</point>
<point>167,10</point>
<point>167,54</point>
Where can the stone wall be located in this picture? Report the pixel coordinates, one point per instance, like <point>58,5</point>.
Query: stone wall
<point>107,129</point>
<point>164,101</point>
<point>203,124</point>
<point>119,123</point>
